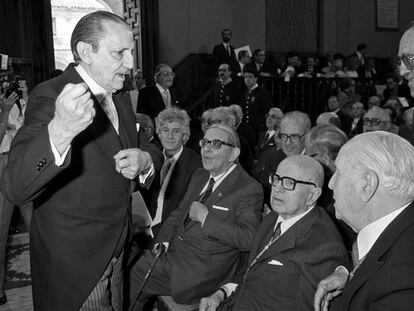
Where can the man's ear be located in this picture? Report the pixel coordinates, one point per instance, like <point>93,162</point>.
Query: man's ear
<point>84,51</point>
<point>369,185</point>
<point>314,195</point>
<point>235,154</point>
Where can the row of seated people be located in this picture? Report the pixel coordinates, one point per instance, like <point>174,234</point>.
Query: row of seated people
<point>206,236</point>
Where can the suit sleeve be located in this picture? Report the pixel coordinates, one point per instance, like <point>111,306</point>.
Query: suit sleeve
<point>31,162</point>
<point>238,231</point>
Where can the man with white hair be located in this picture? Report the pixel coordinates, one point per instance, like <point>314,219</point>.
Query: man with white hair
<point>374,190</point>
<point>378,119</point>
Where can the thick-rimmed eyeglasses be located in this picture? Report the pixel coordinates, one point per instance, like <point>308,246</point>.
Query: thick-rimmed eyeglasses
<point>167,74</point>
<point>215,143</point>
<point>294,138</point>
<point>373,121</point>
<point>407,59</point>
<point>288,183</point>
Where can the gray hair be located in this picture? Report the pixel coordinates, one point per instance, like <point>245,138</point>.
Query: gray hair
<point>390,156</point>
<point>238,114</point>
<point>326,138</point>
<point>231,133</point>
<point>90,30</point>
<point>173,114</point>
<point>225,115</point>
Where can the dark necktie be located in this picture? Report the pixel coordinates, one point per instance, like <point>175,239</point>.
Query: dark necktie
<point>276,234</point>
<point>228,50</point>
<point>204,196</point>
<point>355,259</point>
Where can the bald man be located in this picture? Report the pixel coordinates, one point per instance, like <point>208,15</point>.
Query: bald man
<point>295,246</point>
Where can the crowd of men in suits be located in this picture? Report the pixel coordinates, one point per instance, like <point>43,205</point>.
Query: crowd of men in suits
<point>238,221</point>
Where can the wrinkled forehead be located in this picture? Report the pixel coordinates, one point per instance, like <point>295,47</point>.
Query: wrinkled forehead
<point>297,169</point>
<point>216,133</point>
<point>407,42</point>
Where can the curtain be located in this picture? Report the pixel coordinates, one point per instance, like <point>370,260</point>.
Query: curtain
<point>26,33</point>
<point>149,37</point>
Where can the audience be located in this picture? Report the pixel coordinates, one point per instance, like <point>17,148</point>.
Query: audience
<point>378,119</point>
<point>205,236</point>
<point>226,90</point>
<point>223,53</point>
<point>168,188</point>
<point>155,98</point>
<point>329,118</point>
<point>257,101</point>
<point>295,246</point>
<point>293,127</point>
<point>356,124</point>
<point>270,139</point>
<point>323,143</point>
<point>373,190</point>
<point>407,129</point>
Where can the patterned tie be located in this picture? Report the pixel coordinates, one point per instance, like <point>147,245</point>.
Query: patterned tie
<point>204,196</point>
<point>276,235</point>
<point>109,107</point>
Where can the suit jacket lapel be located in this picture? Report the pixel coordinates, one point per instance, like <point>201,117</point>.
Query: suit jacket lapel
<point>289,238</point>
<point>374,259</point>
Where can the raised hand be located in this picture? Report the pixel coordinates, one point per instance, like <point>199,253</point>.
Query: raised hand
<point>74,112</point>
<point>329,288</point>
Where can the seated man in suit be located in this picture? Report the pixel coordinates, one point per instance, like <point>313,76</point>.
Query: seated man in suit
<point>293,127</point>
<point>270,139</point>
<point>166,192</point>
<point>374,192</point>
<point>296,245</point>
<point>155,98</point>
<point>205,237</point>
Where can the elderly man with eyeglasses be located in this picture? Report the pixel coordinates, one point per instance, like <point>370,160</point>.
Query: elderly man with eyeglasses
<point>295,246</point>
<point>378,119</point>
<point>204,239</point>
<point>293,127</point>
<point>159,96</point>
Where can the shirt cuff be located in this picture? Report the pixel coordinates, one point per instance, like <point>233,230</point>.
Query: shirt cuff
<point>342,269</point>
<point>143,177</point>
<point>59,159</point>
<point>230,288</point>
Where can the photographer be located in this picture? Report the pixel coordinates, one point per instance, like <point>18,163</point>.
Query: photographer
<point>12,108</point>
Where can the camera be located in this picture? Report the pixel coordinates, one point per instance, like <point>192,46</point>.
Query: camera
<point>11,87</point>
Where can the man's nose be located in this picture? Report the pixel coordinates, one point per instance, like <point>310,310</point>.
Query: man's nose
<point>128,60</point>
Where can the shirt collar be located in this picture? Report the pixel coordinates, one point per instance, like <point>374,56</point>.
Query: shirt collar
<point>369,235</point>
<point>175,156</point>
<point>254,87</point>
<point>95,88</point>
<point>286,224</point>
<point>224,174</point>
<point>160,88</point>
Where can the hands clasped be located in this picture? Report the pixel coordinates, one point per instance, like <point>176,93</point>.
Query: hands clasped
<point>211,303</point>
<point>131,162</point>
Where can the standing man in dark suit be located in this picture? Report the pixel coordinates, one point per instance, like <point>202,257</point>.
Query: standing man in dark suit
<point>295,247</point>
<point>155,98</point>
<point>180,162</point>
<point>374,190</point>
<point>226,91</point>
<point>257,101</point>
<point>214,223</point>
<point>224,53</point>
<point>75,157</point>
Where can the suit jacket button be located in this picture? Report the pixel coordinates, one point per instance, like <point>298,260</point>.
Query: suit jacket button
<point>38,167</point>
<point>43,161</point>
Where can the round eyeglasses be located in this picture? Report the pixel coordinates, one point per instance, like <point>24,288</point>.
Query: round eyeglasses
<point>215,143</point>
<point>294,138</point>
<point>288,183</point>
